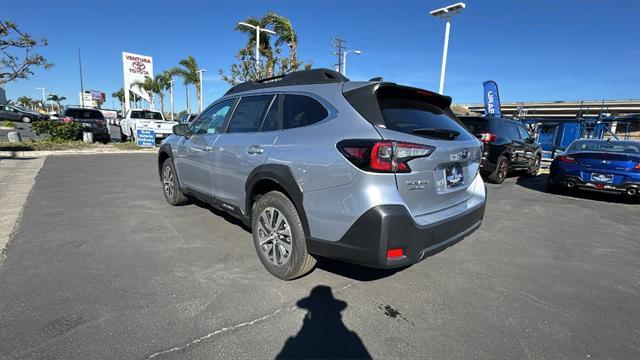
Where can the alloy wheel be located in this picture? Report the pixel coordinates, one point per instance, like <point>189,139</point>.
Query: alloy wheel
<point>274,235</point>
<point>167,181</point>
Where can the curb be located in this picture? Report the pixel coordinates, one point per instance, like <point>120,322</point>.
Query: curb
<point>22,154</point>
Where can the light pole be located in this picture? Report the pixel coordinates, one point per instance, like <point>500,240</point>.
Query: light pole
<point>201,93</point>
<point>44,103</point>
<point>171,96</point>
<point>446,13</point>
<point>344,59</point>
<point>258,29</point>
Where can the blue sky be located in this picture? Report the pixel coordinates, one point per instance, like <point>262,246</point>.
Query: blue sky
<point>534,49</point>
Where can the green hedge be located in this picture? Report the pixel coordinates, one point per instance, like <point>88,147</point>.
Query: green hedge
<point>57,130</point>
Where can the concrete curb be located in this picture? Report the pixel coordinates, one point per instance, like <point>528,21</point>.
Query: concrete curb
<point>24,154</point>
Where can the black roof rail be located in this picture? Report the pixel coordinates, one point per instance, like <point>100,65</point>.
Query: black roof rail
<point>303,77</point>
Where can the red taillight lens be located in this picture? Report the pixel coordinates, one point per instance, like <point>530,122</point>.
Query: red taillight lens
<point>394,253</point>
<point>383,156</point>
<point>67,119</point>
<point>487,137</point>
<point>101,122</point>
<point>567,159</point>
<point>637,167</point>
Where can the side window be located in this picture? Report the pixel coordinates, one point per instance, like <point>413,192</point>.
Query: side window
<point>300,110</point>
<point>524,134</point>
<point>512,131</point>
<point>270,122</point>
<point>249,113</point>
<point>210,122</point>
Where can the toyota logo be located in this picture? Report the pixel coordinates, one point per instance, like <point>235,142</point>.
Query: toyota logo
<point>138,65</point>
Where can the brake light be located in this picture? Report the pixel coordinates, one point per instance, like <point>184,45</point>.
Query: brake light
<point>383,156</point>
<point>568,159</point>
<point>487,137</point>
<point>67,119</point>
<point>637,167</point>
<point>100,122</point>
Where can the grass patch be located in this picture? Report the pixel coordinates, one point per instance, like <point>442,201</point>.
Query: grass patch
<point>8,124</point>
<point>127,145</point>
<point>49,145</point>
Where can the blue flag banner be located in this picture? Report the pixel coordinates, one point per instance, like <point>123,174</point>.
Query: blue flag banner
<point>491,98</point>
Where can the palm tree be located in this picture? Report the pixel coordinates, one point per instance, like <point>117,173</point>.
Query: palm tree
<point>286,34</point>
<point>188,71</point>
<point>120,96</point>
<point>163,82</point>
<point>57,99</point>
<point>149,86</point>
<point>25,101</point>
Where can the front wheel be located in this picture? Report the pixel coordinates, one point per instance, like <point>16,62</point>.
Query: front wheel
<point>171,190</point>
<point>132,136</point>
<point>279,237</point>
<point>535,167</point>
<point>26,119</point>
<point>123,137</point>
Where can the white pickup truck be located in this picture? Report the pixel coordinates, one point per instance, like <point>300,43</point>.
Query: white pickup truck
<point>145,120</point>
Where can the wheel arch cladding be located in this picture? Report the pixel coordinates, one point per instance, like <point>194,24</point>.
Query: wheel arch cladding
<point>279,177</point>
<point>163,154</point>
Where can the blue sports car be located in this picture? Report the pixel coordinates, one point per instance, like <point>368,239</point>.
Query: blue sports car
<point>601,165</point>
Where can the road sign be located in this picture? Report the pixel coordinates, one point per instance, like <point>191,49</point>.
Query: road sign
<point>146,138</point>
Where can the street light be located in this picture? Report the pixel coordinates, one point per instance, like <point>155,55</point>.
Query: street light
<point>258,29</point>
<point>44,103</point>
<point>344,59</point>
<point>171,96</point>
<point>201,93</point>
<point>446,13</point>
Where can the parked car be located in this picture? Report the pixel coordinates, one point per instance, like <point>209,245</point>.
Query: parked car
<point>92,121</point>
<point>145,119</point>
<point>600,165</point>
<point>368,172</point>
<point>18,113</point>
<point>508,146</point>
<point>186,118</point>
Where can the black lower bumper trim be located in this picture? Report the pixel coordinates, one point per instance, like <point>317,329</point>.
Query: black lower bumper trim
<point>391,227</point>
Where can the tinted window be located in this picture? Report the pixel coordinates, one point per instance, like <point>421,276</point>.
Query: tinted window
<point>627,147</point>
<point>418,117</point>
<point>300,110</point>
<point>249,113</point>
<point>270,122</point>
<point>210,122</point>
<point>84,114</point>
<point>475,125</point>
<point>144,114</point>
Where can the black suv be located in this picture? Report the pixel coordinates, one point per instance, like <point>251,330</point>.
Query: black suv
<point>508,146</point>
<point>92,121</point>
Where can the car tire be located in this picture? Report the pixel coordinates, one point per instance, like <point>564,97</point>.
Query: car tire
<point>535,168</point>
<point>289,257</point>
<point>501,171</point>
<point>551,187</point>
<point>123,137</point>
<point>170,187</point>
<point>132,137</point>
<point>25,119</point>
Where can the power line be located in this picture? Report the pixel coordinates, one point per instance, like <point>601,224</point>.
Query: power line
<point>338,43</point>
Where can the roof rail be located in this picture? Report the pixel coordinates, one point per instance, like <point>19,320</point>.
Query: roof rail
<point>303,77</point>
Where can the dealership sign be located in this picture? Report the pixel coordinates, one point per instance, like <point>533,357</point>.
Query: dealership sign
<point>136,68</point>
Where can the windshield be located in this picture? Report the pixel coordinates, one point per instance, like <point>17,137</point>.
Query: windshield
<point>149,115</point>
<point>627,147</point>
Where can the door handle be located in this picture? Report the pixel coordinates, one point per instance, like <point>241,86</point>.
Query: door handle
<point>254,150</point>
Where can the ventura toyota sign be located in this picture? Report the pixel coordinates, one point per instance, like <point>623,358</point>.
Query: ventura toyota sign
<point>135,68</point>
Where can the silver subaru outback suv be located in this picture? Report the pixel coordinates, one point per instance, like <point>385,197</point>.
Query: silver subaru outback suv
<point>368,172</point>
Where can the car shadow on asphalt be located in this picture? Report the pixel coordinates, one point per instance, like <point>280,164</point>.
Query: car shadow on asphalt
<point>539,183</point>
<point>323,334</point>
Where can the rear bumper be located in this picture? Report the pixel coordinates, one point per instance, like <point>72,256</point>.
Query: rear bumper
<point>390,227</point>
<point>575,181</point>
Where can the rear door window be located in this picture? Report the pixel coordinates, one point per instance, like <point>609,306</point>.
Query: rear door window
<point>300,110</point>
<point>84,114</point>
<point>524,134</point>
<point>249,113</point>
<point>417,117</point>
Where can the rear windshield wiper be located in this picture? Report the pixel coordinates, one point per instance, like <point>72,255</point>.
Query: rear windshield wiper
<point>437,133</point>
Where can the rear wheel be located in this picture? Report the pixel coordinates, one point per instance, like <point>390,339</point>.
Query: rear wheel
<point>551,187</point>
<point>171,190</point>
<point>123,137</point>
<point>26,119</point>
<point>535,167</point>
<point>279,237</point>
<point>501,171</point>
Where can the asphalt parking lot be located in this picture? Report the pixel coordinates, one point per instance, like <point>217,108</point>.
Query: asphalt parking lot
<point>103,268</point>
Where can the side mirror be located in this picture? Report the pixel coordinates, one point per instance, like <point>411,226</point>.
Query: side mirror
<point>181,130</point>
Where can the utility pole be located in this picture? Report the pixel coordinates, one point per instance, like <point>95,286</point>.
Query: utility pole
<point>44,103</point>
<point>171,96</point>
<point>338,43</point>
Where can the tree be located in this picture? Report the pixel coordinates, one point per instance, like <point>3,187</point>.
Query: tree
<point>25,101</point>
<point>271,62</point>
<point>188,71</point>
<point>150,87</point>
<point>120,96</point>
<point>14,64</point>
<point>163,82</point>
<point>57,99</point>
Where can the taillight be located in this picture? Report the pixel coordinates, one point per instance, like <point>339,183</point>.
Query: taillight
<point>395,253</point>
<point>383,156</point>
<point>101,122</point>
<point>487,137</point>
<point>67,119</point>
<point>637,167</point>
<point>567,159</point>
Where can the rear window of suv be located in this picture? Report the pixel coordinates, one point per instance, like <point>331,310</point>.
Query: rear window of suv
<point>476,125</point>
<point>149,115</point>
<point>84,114</point>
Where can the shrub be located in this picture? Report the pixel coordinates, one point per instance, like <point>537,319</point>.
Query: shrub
<point>58,131</point>
<point>8,124</point>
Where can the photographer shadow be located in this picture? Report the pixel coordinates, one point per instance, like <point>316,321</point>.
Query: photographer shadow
<point>323,334</point>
